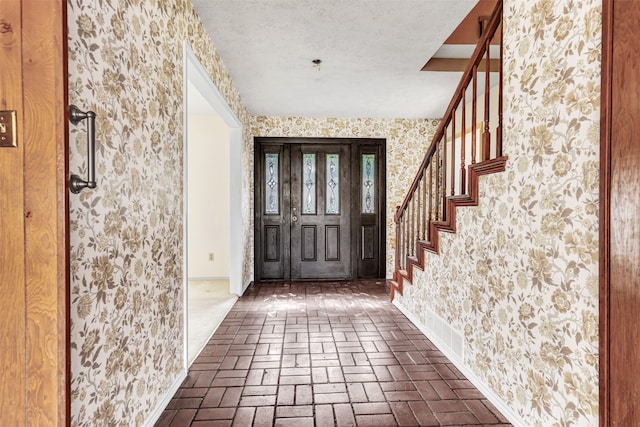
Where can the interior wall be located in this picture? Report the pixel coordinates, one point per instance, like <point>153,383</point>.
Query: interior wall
<point>126,64</point>
<point>405,137</point>
<point>519,279</point>
<point>208,197</point>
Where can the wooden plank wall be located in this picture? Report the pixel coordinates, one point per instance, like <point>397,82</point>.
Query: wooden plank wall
<point>12,273</point>
<point>34,368</point>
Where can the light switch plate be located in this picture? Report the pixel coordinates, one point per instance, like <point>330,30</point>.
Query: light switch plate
<point>8,128</point>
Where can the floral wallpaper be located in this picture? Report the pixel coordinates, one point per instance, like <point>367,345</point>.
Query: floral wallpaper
<point>403,136</point>
<point>520,276</point>
<point>526,298</point>
<point>125,63</point>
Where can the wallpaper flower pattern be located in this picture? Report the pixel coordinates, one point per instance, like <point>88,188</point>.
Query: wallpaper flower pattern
<point>525,295</point>
<point>403,136</point>
<point>526,299</point>
<point>125,63</point>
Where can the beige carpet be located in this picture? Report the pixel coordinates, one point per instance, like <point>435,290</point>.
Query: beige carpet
<point>209,303</point>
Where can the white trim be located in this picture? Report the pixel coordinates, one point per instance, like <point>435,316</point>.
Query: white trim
<point>198,76</point>
<point>236,257</point>
<point>195,279</point>
<point>162,405</point>
<point>185,212</point>
<point>500,404</point>
<point>245,287</point>
<point>194,73</point>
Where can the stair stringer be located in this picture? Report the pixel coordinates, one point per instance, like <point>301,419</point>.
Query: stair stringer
<point>449,225</point>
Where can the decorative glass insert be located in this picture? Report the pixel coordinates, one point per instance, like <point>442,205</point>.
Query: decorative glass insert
<point>309,183</point>
<point>333,184</point>
<point>272,184</point>
<point>368,183</point>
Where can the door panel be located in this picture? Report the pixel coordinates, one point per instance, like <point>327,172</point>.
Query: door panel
<point>272,243</point>
<point>368,242</point>
<point>309,243</point>
<point>332,239</point>
<point>320,211</point>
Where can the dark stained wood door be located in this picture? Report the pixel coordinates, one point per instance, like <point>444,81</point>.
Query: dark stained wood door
<point>369,210</point>
<point>320,211</point>
<point>620,216</point>
<point>272,216</point>
<point>319,208</point>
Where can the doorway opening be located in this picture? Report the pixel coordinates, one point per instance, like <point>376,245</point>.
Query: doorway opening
<point>212,202</point>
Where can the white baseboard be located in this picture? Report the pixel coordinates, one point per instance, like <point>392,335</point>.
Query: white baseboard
<point>246,286</point>
<point>161,406</point>
<point>196,279</point>
<point>459,363</point>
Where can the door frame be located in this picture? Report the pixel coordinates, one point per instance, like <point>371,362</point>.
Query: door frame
<point>618,32</point>
<point>198,76</point>
<point>356,147</point>
<point>605,202</point>
<point>195,74</point>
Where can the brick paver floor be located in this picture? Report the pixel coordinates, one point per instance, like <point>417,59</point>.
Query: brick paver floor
<point>323,354</point>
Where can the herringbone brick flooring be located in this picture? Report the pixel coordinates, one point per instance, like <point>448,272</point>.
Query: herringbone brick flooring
<point>323,354</point>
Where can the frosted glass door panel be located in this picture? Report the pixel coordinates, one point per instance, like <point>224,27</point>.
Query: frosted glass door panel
<point>272,183</point>
<point>309,183</point>
<point>368,183</point>
<point>333,184</point>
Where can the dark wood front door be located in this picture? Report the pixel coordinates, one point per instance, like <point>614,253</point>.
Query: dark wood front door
<point>320,211</point>
<point>319,207</point>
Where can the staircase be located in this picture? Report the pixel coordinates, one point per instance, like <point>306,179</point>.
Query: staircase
<point>462,149</point>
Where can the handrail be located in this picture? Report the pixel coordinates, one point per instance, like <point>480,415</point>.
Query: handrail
<point>476,58</point>
<point>430,203</point>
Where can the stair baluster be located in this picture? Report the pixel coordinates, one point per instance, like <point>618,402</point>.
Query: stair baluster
<point>430,204</point>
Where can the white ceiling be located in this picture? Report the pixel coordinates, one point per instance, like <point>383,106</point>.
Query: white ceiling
<point>371,51</point>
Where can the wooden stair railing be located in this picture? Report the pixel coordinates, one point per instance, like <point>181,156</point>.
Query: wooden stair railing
<point>462,149</point>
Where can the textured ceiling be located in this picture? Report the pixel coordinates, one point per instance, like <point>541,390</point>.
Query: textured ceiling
<point>371,50</point>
